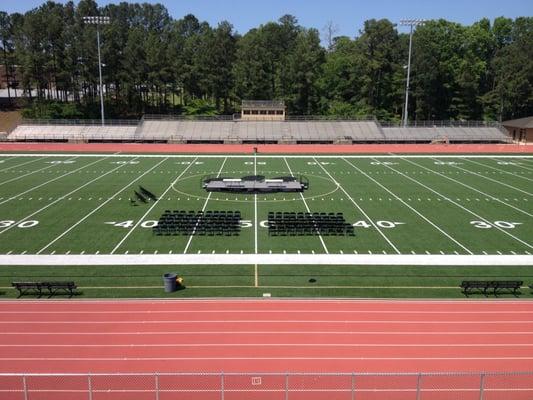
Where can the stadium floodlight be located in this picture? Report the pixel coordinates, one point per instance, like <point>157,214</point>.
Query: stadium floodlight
<point>411,23</point>
<point>97,20</point>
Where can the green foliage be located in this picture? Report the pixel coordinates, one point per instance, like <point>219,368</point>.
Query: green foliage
<point>153,63</point>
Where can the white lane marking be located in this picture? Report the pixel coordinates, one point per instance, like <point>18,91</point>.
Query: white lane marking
<point>476,190</point>
<point>358,207</point>
<point>347,345</point>
<point>269,321</point>
<point>467,171</point>
<point>152,207</point>
<point>62,197</point>
<point>44,183</point>
<point>237,311</point>
<point>99,207</point>
<point>498,169</point>
<point>413,209</point>
<point>20,165</point>
<point>307,208</point>
<point>203,209</point>
<point>458,205</point>
<point>274,332</point>
<point>252,358</point>
<point>269,259</point>
<point>273,156</point>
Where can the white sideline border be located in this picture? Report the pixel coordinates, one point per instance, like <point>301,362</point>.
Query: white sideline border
<point>222,155</point>
<point>267,259</point>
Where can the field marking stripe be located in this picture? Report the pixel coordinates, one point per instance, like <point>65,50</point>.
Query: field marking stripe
<point>267,259</point>
<point>99,207</point>
<point>474,189</point>
<point>273,332</point>
<point>497,169</point>
<point>481,176</point>
<point>62,197</point>
<point>31,173</point>
<point>191,236</point>
<point>252,311</point>
<point>358,207</point>
<point>457,204</point>
<point>200,345</point>
<point>256,358</point>
<point>20,165</point>
<point>272,156</point>
<point>410,207</point>
<point>308,210</point>
<point>152,207</point>
<point>515,165</point>
<point>268,321</point>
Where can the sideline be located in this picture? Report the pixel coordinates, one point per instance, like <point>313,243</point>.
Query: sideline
<point>268,259</point>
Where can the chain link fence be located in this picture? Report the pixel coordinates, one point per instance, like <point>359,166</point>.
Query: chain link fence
<point>271,386</point>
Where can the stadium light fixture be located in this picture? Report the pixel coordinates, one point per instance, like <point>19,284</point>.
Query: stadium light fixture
<point>97,20</point>
<point>411,23</point>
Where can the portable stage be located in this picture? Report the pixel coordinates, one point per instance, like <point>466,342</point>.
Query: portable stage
<point>255,184</point>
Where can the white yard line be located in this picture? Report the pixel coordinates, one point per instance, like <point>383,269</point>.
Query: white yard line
<point>268,259</point>
<point>125,359</point>
<point>498,169</point>
<point>459,205</point>
<point>193,345</point>
<point>472,188</point>
<point>152,207</point>
<point>256,243</point>
<point>358,207</point>
<point>515,165</point>
<point>203,209</point>
<point>31,173</point>
<point>99,207</point>
<point>473,173</point>
<point>51,180</point>
<point>273,156</point>
<point>20,165</point>
<point>63,197</point>
<point>411,208</point>
<point>307,208</point>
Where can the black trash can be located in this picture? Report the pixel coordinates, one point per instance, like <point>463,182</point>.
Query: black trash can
<point>169,280</point>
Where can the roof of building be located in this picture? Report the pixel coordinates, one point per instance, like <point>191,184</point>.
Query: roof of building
<point>519,123</point>
<point>263,104</point>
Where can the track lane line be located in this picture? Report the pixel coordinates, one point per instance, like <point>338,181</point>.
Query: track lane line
<point>152,207</point>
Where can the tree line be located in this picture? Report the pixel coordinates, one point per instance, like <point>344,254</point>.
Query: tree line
<point>156,64</point>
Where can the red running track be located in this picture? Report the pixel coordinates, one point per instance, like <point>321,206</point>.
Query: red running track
<point>267,149</point>
<point>265,335</point>
<point>262,336</point>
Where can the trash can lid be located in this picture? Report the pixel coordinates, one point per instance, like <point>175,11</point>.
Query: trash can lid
<point>170,275</point>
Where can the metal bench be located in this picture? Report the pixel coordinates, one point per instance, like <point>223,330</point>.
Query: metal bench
<point>39,288</point>
<point>469,287</point>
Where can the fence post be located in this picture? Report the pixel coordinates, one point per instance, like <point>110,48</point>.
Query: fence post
<point>481,385</point>
<point>419,378</point>
<point>90,386</point>
<point>25,386</point>
<point>286,386</point>
<point>222,385</point>
<point>156,376</point>
<point>353,385</point>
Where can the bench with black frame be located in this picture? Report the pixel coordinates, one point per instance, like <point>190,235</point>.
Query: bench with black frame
<point>39,288</point>
<point>470,287</point>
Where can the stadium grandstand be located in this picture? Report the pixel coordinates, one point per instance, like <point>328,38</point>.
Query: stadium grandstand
<point>230,129</point>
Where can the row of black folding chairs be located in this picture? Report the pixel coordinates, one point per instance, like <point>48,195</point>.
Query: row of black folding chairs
<point>346,230</point>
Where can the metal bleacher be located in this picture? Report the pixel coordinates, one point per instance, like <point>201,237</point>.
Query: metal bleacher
<point>225,129</point>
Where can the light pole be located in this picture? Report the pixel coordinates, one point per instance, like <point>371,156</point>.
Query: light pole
<point>99,21</point>
<point>411,23</point>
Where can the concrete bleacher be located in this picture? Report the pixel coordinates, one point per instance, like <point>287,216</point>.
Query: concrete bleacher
<point>443,133</point>
<point>72,133</point>
<point>227,130</point>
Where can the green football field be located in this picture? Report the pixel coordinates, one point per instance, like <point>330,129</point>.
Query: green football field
<point>79,205</point>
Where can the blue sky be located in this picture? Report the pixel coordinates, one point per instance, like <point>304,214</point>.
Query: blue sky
<point>348,15</point>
